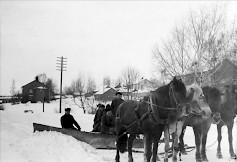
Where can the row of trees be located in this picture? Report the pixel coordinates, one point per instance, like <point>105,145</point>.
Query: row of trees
<point>129,76</point>
<point>197,44</point>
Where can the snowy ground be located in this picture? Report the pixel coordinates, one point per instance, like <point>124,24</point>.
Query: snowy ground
<point>20,144</point>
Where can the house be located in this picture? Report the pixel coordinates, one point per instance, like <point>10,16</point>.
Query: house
<point>108,95</point>
<point>225,73</point>
<point>140,89</point>
<point>144,85</point>
<point>35,91</point>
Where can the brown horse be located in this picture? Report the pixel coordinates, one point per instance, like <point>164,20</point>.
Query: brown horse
<point>228,113</point>
<point>149,118</point>
<point>202,125</point>
<point>198,106</point>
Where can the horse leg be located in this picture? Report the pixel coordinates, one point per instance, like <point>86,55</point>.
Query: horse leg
<point>175,148</point>
<point>219,138</point>
<point>154,150</point>
<point>130,142</point>
<point>147,147</point>
<point>197,133</point>
<point>155,147</point>
<point>167,146</point>
<point>121,142</point>
<point>204,141</point>
<point>181,141</point>
<point>230,138</point>
<point>117,158</point>
<point>179,128</point>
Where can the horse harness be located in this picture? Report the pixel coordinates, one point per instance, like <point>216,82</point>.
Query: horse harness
<point>150,113</point>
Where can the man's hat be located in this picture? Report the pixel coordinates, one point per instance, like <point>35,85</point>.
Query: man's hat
<point>118,93</point>
<point>68,109</point>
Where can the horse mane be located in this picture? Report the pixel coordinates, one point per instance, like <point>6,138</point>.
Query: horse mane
<point>178,85</point>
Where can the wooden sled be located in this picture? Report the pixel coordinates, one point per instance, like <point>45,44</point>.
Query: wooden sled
<point>97,140</point>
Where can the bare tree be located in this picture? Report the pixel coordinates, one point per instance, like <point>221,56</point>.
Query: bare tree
<point>130,76</point>
<point>78,89</point>
<point>107,81</point>
<point>119,81</point>
<point>13,91</point>
<point>197,44</point>
<point>13,88</point>
<point>91,85</point>
<point>51,87</point>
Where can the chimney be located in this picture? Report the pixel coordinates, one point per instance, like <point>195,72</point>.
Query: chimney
<point>37,78</point>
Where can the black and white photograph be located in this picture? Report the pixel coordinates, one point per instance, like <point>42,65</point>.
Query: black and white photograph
<point>118,81</point>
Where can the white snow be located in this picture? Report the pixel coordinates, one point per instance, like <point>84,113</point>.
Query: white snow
<point>20,144</point>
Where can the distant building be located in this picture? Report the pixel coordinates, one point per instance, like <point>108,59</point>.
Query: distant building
<point>107,96</point>
<point>225,73</point>
<point>35,91</point>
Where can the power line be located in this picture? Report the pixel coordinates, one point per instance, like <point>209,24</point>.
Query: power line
<point>61,66</point>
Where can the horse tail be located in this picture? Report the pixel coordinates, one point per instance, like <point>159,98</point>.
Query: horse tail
<point>122,142</point>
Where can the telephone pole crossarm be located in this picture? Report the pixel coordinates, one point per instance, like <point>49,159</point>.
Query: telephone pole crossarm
<point>61,65</point>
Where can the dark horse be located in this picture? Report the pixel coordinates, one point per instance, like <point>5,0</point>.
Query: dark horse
<point>202,125</point>
<point>149,117</point>
<point>228,113</point>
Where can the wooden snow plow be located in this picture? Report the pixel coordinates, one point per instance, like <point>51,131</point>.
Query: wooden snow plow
<point>97,140</point>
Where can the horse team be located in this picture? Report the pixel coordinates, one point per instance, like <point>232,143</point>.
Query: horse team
<point>170,109</point>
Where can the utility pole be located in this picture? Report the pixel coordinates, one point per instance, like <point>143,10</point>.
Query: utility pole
<point>61,65</point>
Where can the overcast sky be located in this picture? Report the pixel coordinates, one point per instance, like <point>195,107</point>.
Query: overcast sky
<point>98,38</point>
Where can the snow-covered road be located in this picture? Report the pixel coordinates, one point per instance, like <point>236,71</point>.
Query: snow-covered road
<point>20,144</point>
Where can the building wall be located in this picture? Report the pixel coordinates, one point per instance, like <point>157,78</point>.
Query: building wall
<point>30,92</point>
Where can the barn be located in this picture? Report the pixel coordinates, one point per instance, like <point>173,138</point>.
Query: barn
<point>35,91</point>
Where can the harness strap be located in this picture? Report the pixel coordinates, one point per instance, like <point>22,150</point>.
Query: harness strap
<point>168,108</point>
<point>155,119</point>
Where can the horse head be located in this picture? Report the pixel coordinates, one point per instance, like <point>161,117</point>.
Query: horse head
<point>199,104</point>
<point>213,98</point>
<point>179,96</point>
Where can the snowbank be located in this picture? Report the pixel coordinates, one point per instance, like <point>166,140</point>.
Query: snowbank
<point>19,143</point>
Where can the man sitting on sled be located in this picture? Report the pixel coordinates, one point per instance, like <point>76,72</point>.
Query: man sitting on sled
<point>67,120</point>
<point>97,118</point>
<point>108,122</point>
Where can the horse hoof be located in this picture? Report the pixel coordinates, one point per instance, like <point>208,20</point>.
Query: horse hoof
<point>219,155</point>
<point>233,156</point>
<point>198,160</point>
<point>157,158</point>
<point>204,159</point>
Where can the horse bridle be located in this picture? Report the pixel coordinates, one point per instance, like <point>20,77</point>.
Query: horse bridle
<point>150,111</point>
<point>178,105</point>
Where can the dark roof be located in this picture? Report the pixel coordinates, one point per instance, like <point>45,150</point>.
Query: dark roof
<point>89,94</point>
<point>109,95</point>
<point>189,78</point>
<point>33,82</point>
